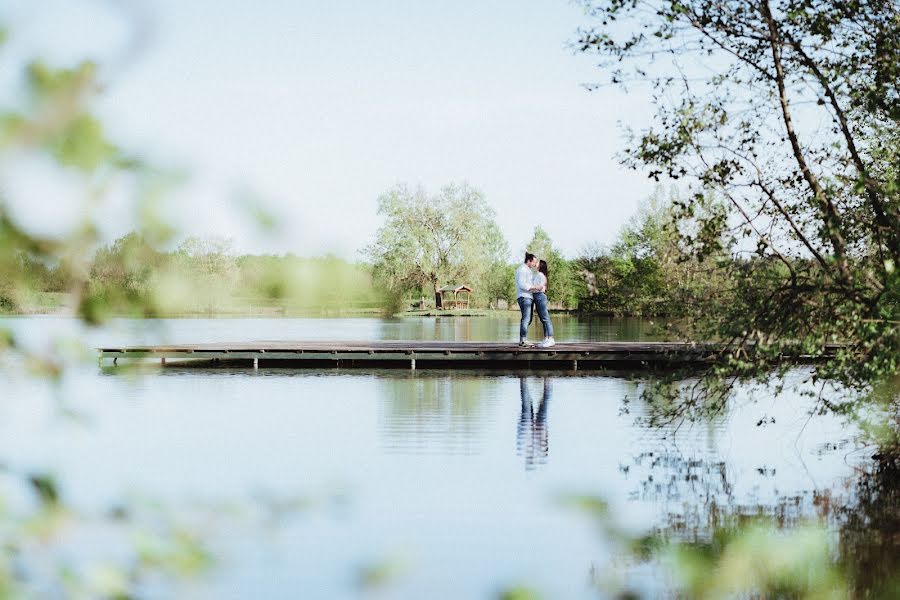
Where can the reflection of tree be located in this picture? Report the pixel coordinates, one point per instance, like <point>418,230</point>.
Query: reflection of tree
<point>532,439</point>
<point>697,495</point>
<point>700,508</point>
<point>433,412</point>
<point>672,397</point>
<point>870,531</point>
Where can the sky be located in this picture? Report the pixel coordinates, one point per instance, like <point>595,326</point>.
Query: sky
<point>317,108</point>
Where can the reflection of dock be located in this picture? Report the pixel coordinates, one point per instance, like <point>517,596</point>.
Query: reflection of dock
<point>576,355</point>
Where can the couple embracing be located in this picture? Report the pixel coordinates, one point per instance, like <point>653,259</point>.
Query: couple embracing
<point>531,294</point>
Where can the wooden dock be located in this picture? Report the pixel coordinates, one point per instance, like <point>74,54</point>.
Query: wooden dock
<point>412,355</point>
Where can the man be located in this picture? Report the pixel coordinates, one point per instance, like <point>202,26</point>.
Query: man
<point>524,289</point>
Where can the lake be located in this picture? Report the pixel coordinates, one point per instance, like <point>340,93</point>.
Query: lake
<point>400,484</point>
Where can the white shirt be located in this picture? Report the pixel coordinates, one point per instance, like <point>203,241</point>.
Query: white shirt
<point>524,281</point>
<point>540,281</point>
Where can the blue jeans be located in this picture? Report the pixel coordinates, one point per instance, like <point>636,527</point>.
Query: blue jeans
<point>525,305</point>
<point>540,306</point>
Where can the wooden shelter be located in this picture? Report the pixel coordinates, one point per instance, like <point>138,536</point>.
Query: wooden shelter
<point>449,303</point>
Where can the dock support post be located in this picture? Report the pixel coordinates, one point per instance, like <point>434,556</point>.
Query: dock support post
<point>162,361</point>
<point>575,365</point>
<point>412,364</point>
<point>255,363</point>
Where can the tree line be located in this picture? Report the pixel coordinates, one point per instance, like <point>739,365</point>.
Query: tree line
<point>201,275</point>
<point>789,111</point>
<point>426,242</point>
<point>451,237</point>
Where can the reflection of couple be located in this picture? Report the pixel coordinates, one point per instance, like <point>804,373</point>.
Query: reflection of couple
<point>532,440</point>
<point>531,294</point>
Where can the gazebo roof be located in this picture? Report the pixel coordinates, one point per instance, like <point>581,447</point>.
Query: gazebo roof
<point>458,288</point>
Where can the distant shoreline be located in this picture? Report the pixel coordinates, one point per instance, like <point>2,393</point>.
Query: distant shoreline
<point>274,312</point>
<point>58,304</point>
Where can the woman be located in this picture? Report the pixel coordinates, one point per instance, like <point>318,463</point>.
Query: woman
<point>541,279</point>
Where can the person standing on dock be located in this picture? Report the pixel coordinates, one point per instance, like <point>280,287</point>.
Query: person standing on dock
<point>539,296</point>
<point>524,294</point>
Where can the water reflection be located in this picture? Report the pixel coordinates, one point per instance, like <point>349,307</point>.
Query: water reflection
<point>504,326</point>
<point>869,529</point>
<point>701,511</point>
<point>435,412</point>
<point>697,497</point>
<point>34,332</point>
<point>702,498</point>
<point>532,440</point>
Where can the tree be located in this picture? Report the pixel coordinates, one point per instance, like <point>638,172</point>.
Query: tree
<point>642,259</point>
<point>430,241</point>
<point>121,279</point>
<point>209,264</point>
<point>635,275</point>
<point>496,281</point>
<point>644,272</point>
<point>55,124</point>
<point>788,111</point>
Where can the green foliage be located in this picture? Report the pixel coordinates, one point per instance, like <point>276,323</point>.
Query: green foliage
<point>32,562</point>
<point>519,593</point>
<point>179,551</point>
<point>757,558</point>
<point>24,276</point>
<point>321,283</point>
<point>204,275</point>
<point>120,280</point>
<point>646,271</point>
<point>737,557</point>
<point>45,486</point>
<point>804,245</point>
<point>83,145</point>
<point>133,277</point>
<point>497,283</point>
<point>56,119</point>
<point>210,266</point>
<point>870,529</point>
<point>381,574</point>
<point>429,241</point>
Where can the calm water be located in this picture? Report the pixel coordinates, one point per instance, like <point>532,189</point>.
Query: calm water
<point>450,483</point>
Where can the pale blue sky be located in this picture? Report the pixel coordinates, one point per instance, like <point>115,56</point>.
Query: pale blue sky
<point>318,107</point>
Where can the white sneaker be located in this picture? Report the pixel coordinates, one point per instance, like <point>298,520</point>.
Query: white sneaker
<point>548,343</point>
